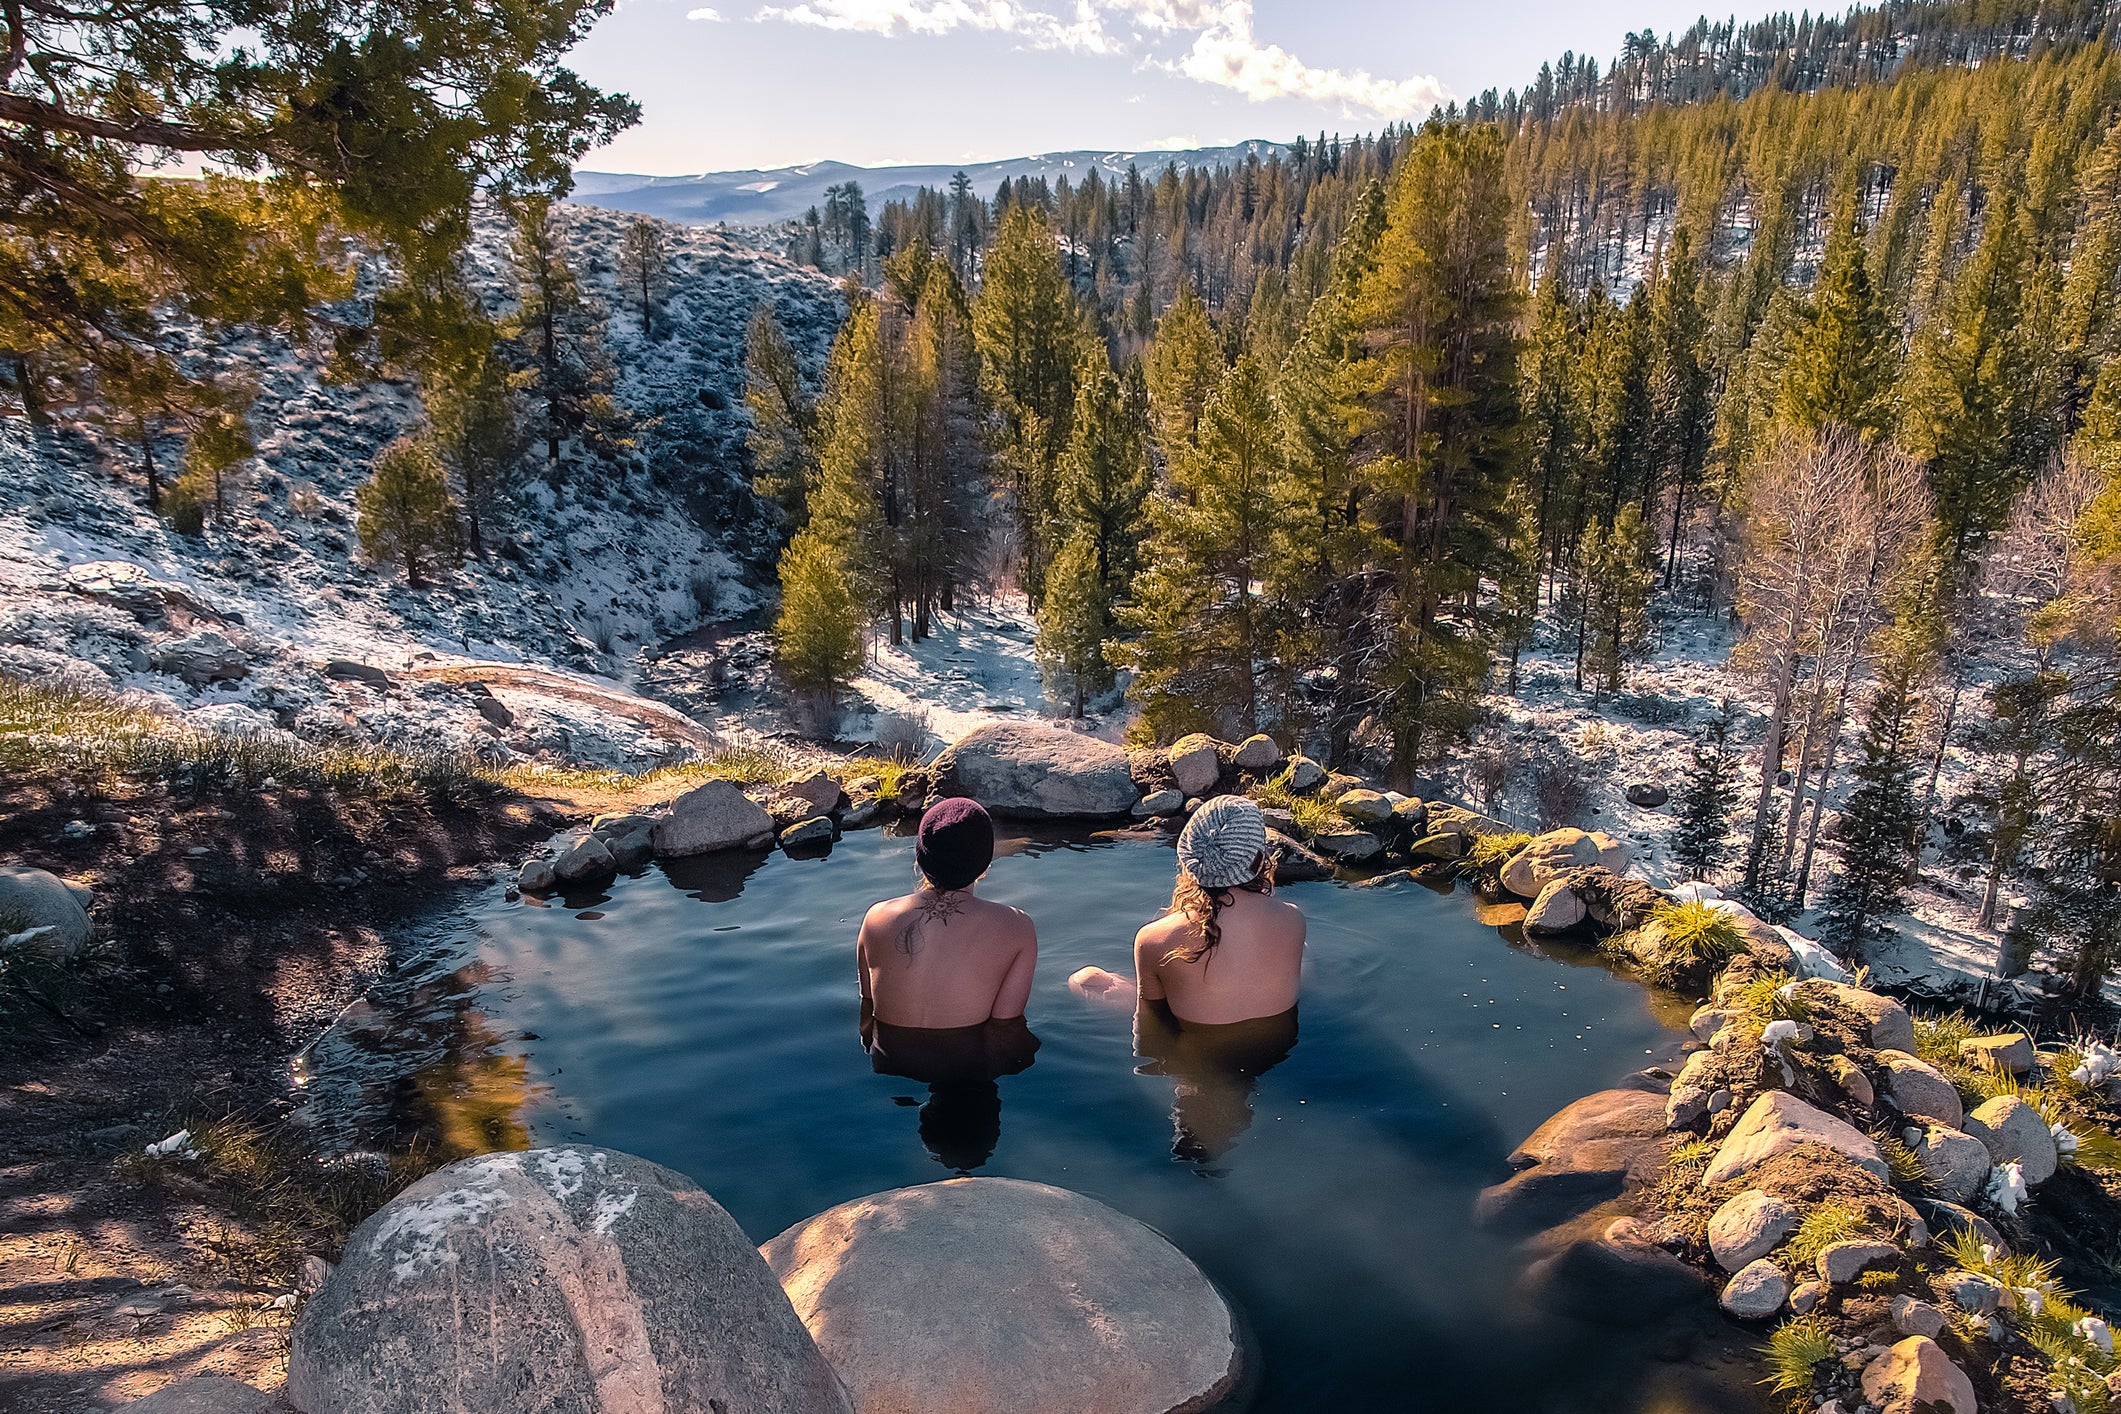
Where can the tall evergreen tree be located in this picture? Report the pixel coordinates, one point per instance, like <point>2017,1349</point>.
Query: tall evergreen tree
<point>817,635</point>
<point>404,511</point>
<point>1074,621</point>
<point>1841,358</point>
<point>1702,842</point>
<point>1682,384</point>
<point>783,434</point>
<point>644,266</point>
<point>472,418</point>
<point>559,336</point>
<point>1184,368</point>
<point>1880,818</point>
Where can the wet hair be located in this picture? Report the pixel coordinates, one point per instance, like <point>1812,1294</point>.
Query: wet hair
<point>1201,906</point>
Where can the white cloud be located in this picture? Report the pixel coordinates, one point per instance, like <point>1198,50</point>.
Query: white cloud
<point>1177,142</point>
<point>1223,50</point>
<point>705,12</point>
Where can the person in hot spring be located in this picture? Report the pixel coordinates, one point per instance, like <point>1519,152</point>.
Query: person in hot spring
<point>1227,951</point>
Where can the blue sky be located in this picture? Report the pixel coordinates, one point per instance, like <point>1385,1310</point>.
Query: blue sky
<point>768,83</point>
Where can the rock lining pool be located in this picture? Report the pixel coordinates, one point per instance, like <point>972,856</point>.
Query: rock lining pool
<point>704,1014</point>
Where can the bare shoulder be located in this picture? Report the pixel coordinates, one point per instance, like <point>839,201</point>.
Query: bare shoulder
<point>1161,929</point>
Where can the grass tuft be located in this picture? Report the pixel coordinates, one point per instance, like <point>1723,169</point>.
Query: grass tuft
<point>1490,852</point>
<point>1821,1228</point>
<point>1796,1349</point>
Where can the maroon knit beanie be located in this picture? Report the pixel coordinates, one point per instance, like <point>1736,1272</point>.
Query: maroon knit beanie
<point>956,843</point>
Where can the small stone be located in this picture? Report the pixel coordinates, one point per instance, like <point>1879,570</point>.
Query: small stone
<point>816,830</point>
<point>1853,1082</point>
<point>2014,1132</point>
<point>1807,1295</point>
<point>817,787</point>
<point>207,1394</point>
<point>1648,796</point>
<point>864,810</point>
<point>1920,1089</point>
<point>1748,1227</point>
<point>1756,1292</point>
<point>1841,1261</point>
<point>2012,1054</point>
<point>1160,803</point>
<point>1413,815</point>
<point>1975,1294</point>
<point>1368,806</point>
<point>1708,1020</point>
<point>633,850</point>
<point>1958,1164</point>
<point>584,860</point>
<point>1443,845</point>
<point>1349,846</point>
<point>1912,1317</point>
<point>1293,863</point>
<point>1305,774</point>
<point>1689,1097</point>
<point>1257,754</point>
<point>536,876</point>
<point>1776,1123</point>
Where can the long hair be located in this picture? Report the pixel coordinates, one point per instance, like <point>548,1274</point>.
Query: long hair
<point>1202,905</point>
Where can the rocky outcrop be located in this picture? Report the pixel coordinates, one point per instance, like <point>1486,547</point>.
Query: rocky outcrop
<point>1582,1156</point>
<point>1552,855</point>
<point>1037,771</point>
<point>712,817</point>
<point>1778,1122</point>
<point>981,1294</point>
<point>200,658</point>
<point>1347,846</point>
<point>569,1278</point>
<point>32,899</point>
<point>1889,1027</point>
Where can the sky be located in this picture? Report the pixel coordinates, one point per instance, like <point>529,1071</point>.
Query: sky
<point>772,83</point>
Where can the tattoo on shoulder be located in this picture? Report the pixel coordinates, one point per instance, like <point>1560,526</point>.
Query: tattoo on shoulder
<point>937,908</point>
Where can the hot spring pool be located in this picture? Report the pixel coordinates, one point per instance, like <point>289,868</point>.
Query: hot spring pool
<point>705,1015</point>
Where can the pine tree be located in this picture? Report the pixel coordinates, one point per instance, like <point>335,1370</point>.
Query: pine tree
<point>817,635</point>
<point>1702,842</point>
<point>783,433</point>
<point>1184,368</point>
<point>1074,620</point>
<point>644,266</point>
<point>404,511</point>
<point>1842,354</point>
<point>1619,572</point>
<point>214,466</point>
<point>1682,384</point>
<point>1029,344</point>
<point>1881,814</point>
<point>471,416</point>
<point>559,337</point>
<point>1552,394</point>
<point>1204,629</point>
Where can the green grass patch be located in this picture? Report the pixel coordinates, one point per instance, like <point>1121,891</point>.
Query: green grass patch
<point>1821,1228</point>
<point>1796,1349</point>
<point>1490,852</point>
<point>1762,1000</point>
<point>1904,1163</point>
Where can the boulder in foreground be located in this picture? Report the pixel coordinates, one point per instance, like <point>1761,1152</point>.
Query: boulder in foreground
<point>1042,772</point>
<point>572,1280</point>
<point>32,898</point>
<point>711,817</point>
<point>1778,1122</point>
<point>981,1294</point>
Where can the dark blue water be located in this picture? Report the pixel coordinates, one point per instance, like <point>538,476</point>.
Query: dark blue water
<point>706,1016</point>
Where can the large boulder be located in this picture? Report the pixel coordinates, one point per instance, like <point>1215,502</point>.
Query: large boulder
<point>1917,1377</point>
<point>1778,1122</point>
<point>32,898</point>
<point>1196,764</point>
<point>1890,1027</point>
<point>1025,768</point>
<point>1557,909</point>
<point>572,1280</point>
<point>1612,1281</point>
<point>710,817</point>
<point>981,1294</point>
<point>1257,754</point>
<point>1957,1163</point>
<point>1368,806</point>
<point>2013,1132</point>
<point>1550,856</point>
<point>1582,1156</point>
<point>1305,774</point>
<point>583,860</point>
<point>2011,1052</point>
<point>1920,1089</point>
<point>1349,846</point>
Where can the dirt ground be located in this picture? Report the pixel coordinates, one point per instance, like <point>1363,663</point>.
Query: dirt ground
<point>232,932</point>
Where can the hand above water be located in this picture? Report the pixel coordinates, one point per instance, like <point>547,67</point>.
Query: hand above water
<point>1098,985</point>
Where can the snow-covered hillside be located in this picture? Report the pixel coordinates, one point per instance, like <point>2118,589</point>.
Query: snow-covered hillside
<point>593,565</point>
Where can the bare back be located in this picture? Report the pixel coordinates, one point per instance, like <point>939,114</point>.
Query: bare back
<point>932,959</point>
<point>1253,972</point>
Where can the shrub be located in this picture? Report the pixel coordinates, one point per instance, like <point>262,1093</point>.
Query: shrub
<point>186,501</point>
<point>1762,1000</point>
<point>1559,790</point>
<point>903,736</point>
<point>405,513</point>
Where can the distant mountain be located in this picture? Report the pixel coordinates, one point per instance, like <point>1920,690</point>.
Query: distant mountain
<point>785,193</point>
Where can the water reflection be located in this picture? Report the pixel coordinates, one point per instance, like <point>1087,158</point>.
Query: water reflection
<point>1214,1071</point>
<point>961,1123</point>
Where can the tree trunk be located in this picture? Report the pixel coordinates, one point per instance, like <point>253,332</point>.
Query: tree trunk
<point>154,473</point>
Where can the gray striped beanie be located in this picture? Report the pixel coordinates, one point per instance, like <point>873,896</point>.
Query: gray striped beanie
<point>1225,843</point>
